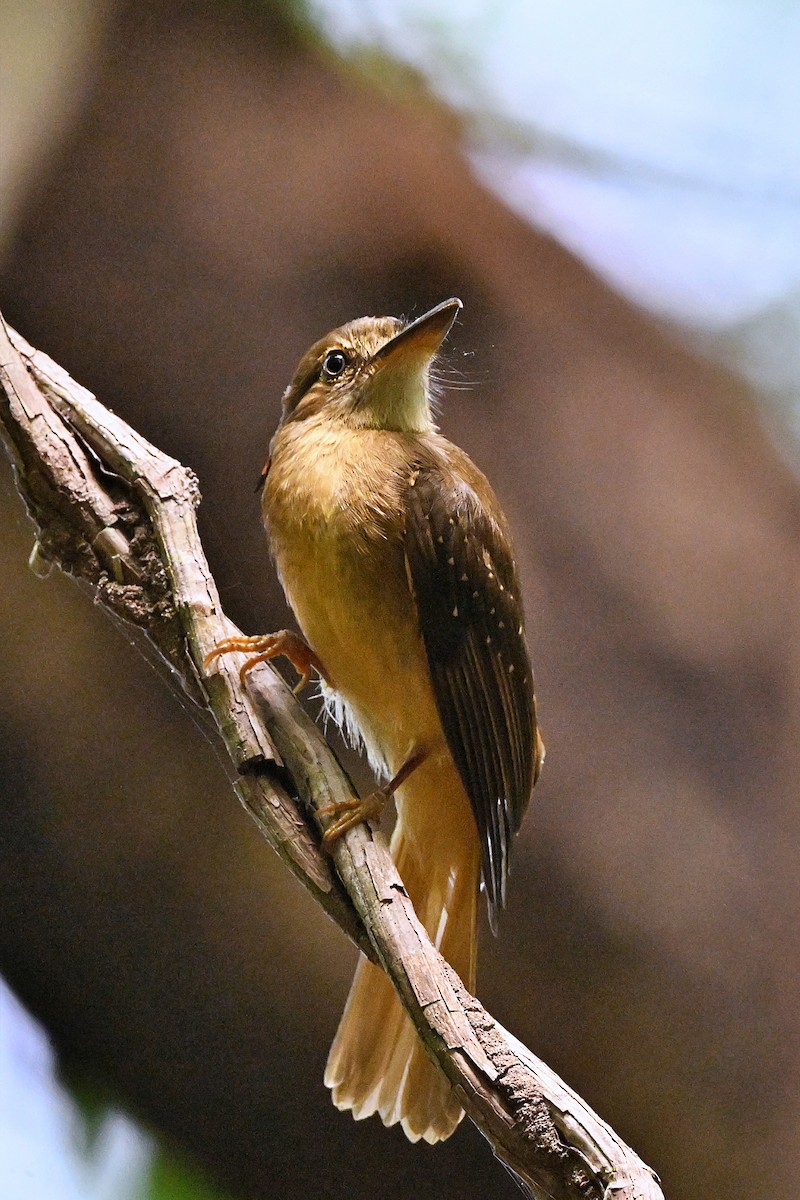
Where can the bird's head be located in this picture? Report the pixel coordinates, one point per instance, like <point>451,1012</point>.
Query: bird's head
<point>372,373</point>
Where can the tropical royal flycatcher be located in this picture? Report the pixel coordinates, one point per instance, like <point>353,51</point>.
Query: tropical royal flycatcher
<point>397,561</point>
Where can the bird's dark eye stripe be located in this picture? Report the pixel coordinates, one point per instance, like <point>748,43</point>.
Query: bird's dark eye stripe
<point>334,363</point>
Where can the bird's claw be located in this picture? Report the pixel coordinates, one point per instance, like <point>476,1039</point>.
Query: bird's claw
<point>265,647</point>
<point>350,813</point>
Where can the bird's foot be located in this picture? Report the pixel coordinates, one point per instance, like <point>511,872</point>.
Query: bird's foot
<point>284,644</point>
<point>350,813</point>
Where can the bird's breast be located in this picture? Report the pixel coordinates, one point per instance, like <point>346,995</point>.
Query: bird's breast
<point>334,511</point>
<point>334,501</point>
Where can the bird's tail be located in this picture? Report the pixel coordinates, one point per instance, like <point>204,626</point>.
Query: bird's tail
<point>377,1062</point>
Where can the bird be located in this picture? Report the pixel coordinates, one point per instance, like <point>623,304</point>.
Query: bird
<point>397,561</point>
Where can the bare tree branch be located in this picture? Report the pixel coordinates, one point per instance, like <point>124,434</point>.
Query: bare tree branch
<point>118,514</point>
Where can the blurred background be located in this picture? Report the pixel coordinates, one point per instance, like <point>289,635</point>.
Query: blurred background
<point>190,194</point>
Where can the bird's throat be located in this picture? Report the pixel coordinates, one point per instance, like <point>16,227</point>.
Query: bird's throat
<point>397,398</point>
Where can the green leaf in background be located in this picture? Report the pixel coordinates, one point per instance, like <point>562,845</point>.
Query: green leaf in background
<point>171,1179</point>
<point>62,1136</point>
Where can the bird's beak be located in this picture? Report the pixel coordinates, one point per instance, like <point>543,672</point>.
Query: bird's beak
<point>416,345</point>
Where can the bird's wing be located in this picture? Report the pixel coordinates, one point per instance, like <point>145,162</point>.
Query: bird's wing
<point>462,576</point>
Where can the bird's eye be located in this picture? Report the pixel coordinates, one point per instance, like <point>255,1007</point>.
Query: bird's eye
<point>334,363</point>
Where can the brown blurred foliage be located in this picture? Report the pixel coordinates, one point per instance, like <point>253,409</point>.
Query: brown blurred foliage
<point>227,194</point>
